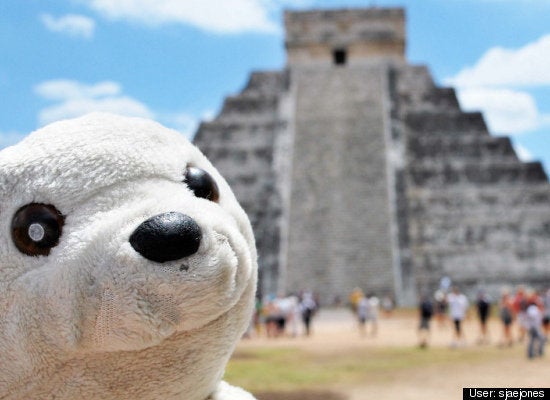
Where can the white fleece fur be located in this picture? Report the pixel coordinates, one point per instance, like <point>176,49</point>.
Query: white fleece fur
<point>94,319</point>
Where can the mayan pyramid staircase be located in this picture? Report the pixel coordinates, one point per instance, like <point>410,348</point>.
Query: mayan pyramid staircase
<point>241,142</point>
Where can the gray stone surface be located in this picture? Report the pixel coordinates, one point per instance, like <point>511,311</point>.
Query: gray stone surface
<point>363,34</point>
<point>339,209</point>
<point>474,212</point>
<point>242,142</point>
<point>368,174</point>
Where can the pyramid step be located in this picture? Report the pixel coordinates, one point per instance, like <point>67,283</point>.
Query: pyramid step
<point>416,90</point>
<point>442,98</point>
<point>227,141</point>
<point>221,130</point>
<point>247,106</point>
<point>454,199</point>
<point>434,100</point>
<point>238,154</point>
<point>445,123</point>
<point>436,174</point>
<point>266,82</point>
<point>468,146</point>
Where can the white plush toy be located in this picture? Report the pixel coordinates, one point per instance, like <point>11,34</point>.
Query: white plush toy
<point>127,267</point>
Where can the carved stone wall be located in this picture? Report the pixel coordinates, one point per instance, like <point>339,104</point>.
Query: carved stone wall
<point>368,174</point>
<point>364,34</point>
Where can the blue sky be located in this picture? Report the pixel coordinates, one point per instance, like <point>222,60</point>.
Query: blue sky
<point>175,60</point>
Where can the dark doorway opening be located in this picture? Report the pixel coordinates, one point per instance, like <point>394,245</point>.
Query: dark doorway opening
<point>339,56</point>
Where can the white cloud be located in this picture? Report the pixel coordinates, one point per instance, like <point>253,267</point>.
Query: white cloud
<point>70,24</point>
<point>61,89</point>
<point>208,115</point>
<point>506,111</point>
<point>526,66</point>
<point>493,84</point>
<point>228,16</point>
<point>74,99</point>
<point>523,154</point>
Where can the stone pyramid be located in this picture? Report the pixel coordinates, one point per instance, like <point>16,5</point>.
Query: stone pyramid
<point>357,170</point>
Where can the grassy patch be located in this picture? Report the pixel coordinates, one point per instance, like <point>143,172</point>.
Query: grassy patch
<point>286,369</point>
<point>275,369</point>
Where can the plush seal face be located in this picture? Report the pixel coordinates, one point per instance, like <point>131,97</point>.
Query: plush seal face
<point>118,236</point>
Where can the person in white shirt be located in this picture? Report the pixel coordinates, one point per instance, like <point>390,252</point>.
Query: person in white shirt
<point>458,306</point>
<point>367,311</point>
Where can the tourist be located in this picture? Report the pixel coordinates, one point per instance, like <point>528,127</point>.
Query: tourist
<point>483,311</point>
<point>367,313</point>
<point>546,313</point>
<point>506,314</point>
<point>374,303</point>
<point>426,312</point>
<point>355,297</point>
<point>520,306</point>
<point>533,318</point>
<point>308,307</point>
<point>387,305</point>
<point>458,305</point>
<point>362,311</point>
<point>440,308</point>
<point>291,309</point>
<point>275,319</point>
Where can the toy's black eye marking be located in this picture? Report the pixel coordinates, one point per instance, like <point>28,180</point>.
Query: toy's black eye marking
<point>36,228</point>
<point>201,183</point>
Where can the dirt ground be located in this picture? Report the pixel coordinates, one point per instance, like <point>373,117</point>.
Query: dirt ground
<point>336,330</point>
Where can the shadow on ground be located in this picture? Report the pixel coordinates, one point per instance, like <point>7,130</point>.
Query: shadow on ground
<point>300,395</point>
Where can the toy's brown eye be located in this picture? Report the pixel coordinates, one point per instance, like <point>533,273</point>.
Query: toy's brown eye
<point>36,228</point>
<point>201,183</point>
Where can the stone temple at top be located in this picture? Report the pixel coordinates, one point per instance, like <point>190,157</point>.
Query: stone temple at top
<point>357,170</point>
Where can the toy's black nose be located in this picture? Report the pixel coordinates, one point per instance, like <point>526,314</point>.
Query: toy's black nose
<point>167,237</point>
